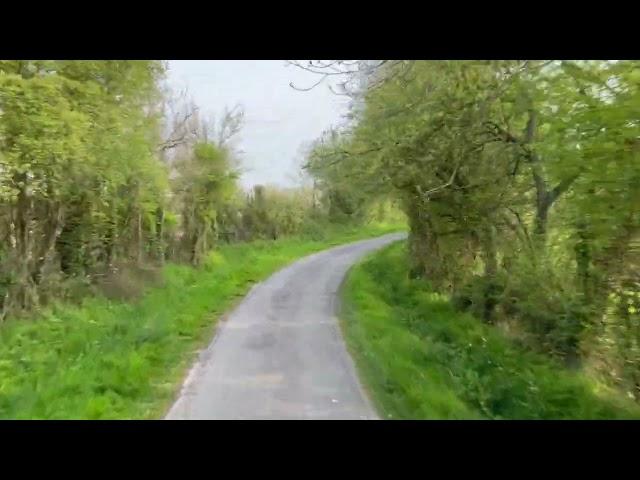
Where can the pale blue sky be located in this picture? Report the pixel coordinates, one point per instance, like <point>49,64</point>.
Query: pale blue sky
<point>278,119</point>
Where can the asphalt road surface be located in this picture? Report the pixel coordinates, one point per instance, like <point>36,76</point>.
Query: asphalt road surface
<point>280,354</point>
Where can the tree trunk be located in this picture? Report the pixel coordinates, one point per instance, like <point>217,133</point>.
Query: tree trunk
<point>139,239</point>
<point>583,259</point>
<point>543,204</point>
<point>23,289</point>
<point>423,247</point>
<point>490,286</point>
<point>160,234</point>
<point>69,242</point>
<point>545,197</point>
<point>51,231</point>
<point>112,237</point>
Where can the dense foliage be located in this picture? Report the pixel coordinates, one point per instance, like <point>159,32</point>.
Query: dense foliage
<point>422,359</point>
<point>521,183</point>
<point>103,169</point>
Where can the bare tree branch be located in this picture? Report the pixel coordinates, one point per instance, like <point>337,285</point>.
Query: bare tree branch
<point>172,142</point>
<point>230,124</point>
<point>300,89</point>
<point>335,68</point>
<point>437,189</point>
<point>523,226</point>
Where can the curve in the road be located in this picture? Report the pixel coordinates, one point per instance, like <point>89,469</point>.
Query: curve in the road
<point>280,353</point>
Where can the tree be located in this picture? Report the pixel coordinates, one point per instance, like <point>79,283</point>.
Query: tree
<point>206,183</point>
<point>519,180</point>
<point>74,134</point>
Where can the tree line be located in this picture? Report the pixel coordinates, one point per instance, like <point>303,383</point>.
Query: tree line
<point>521,184</point>
<point>102,166</point>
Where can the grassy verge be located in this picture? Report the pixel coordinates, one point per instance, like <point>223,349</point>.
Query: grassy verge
<point>421,359</point>
<point>106,359</point>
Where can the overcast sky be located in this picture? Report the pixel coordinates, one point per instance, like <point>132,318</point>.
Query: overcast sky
<point>278,119</point>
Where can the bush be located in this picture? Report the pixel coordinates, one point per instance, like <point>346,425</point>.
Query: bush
<point>423,359</point>
<point>213,260</point>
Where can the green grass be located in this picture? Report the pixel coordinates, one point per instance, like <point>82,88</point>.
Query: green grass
<point>421,359</point>
<point>106,359</point>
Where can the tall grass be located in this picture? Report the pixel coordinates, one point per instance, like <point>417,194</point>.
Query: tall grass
<point>105,359</point>
<point>421,359</point>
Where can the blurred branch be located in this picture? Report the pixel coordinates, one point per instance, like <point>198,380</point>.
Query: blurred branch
<point>334,68</point>
<point>300,89</point>
<point>174,142</point>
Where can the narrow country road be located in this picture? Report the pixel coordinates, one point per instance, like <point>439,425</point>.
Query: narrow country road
<point>280,353</point>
